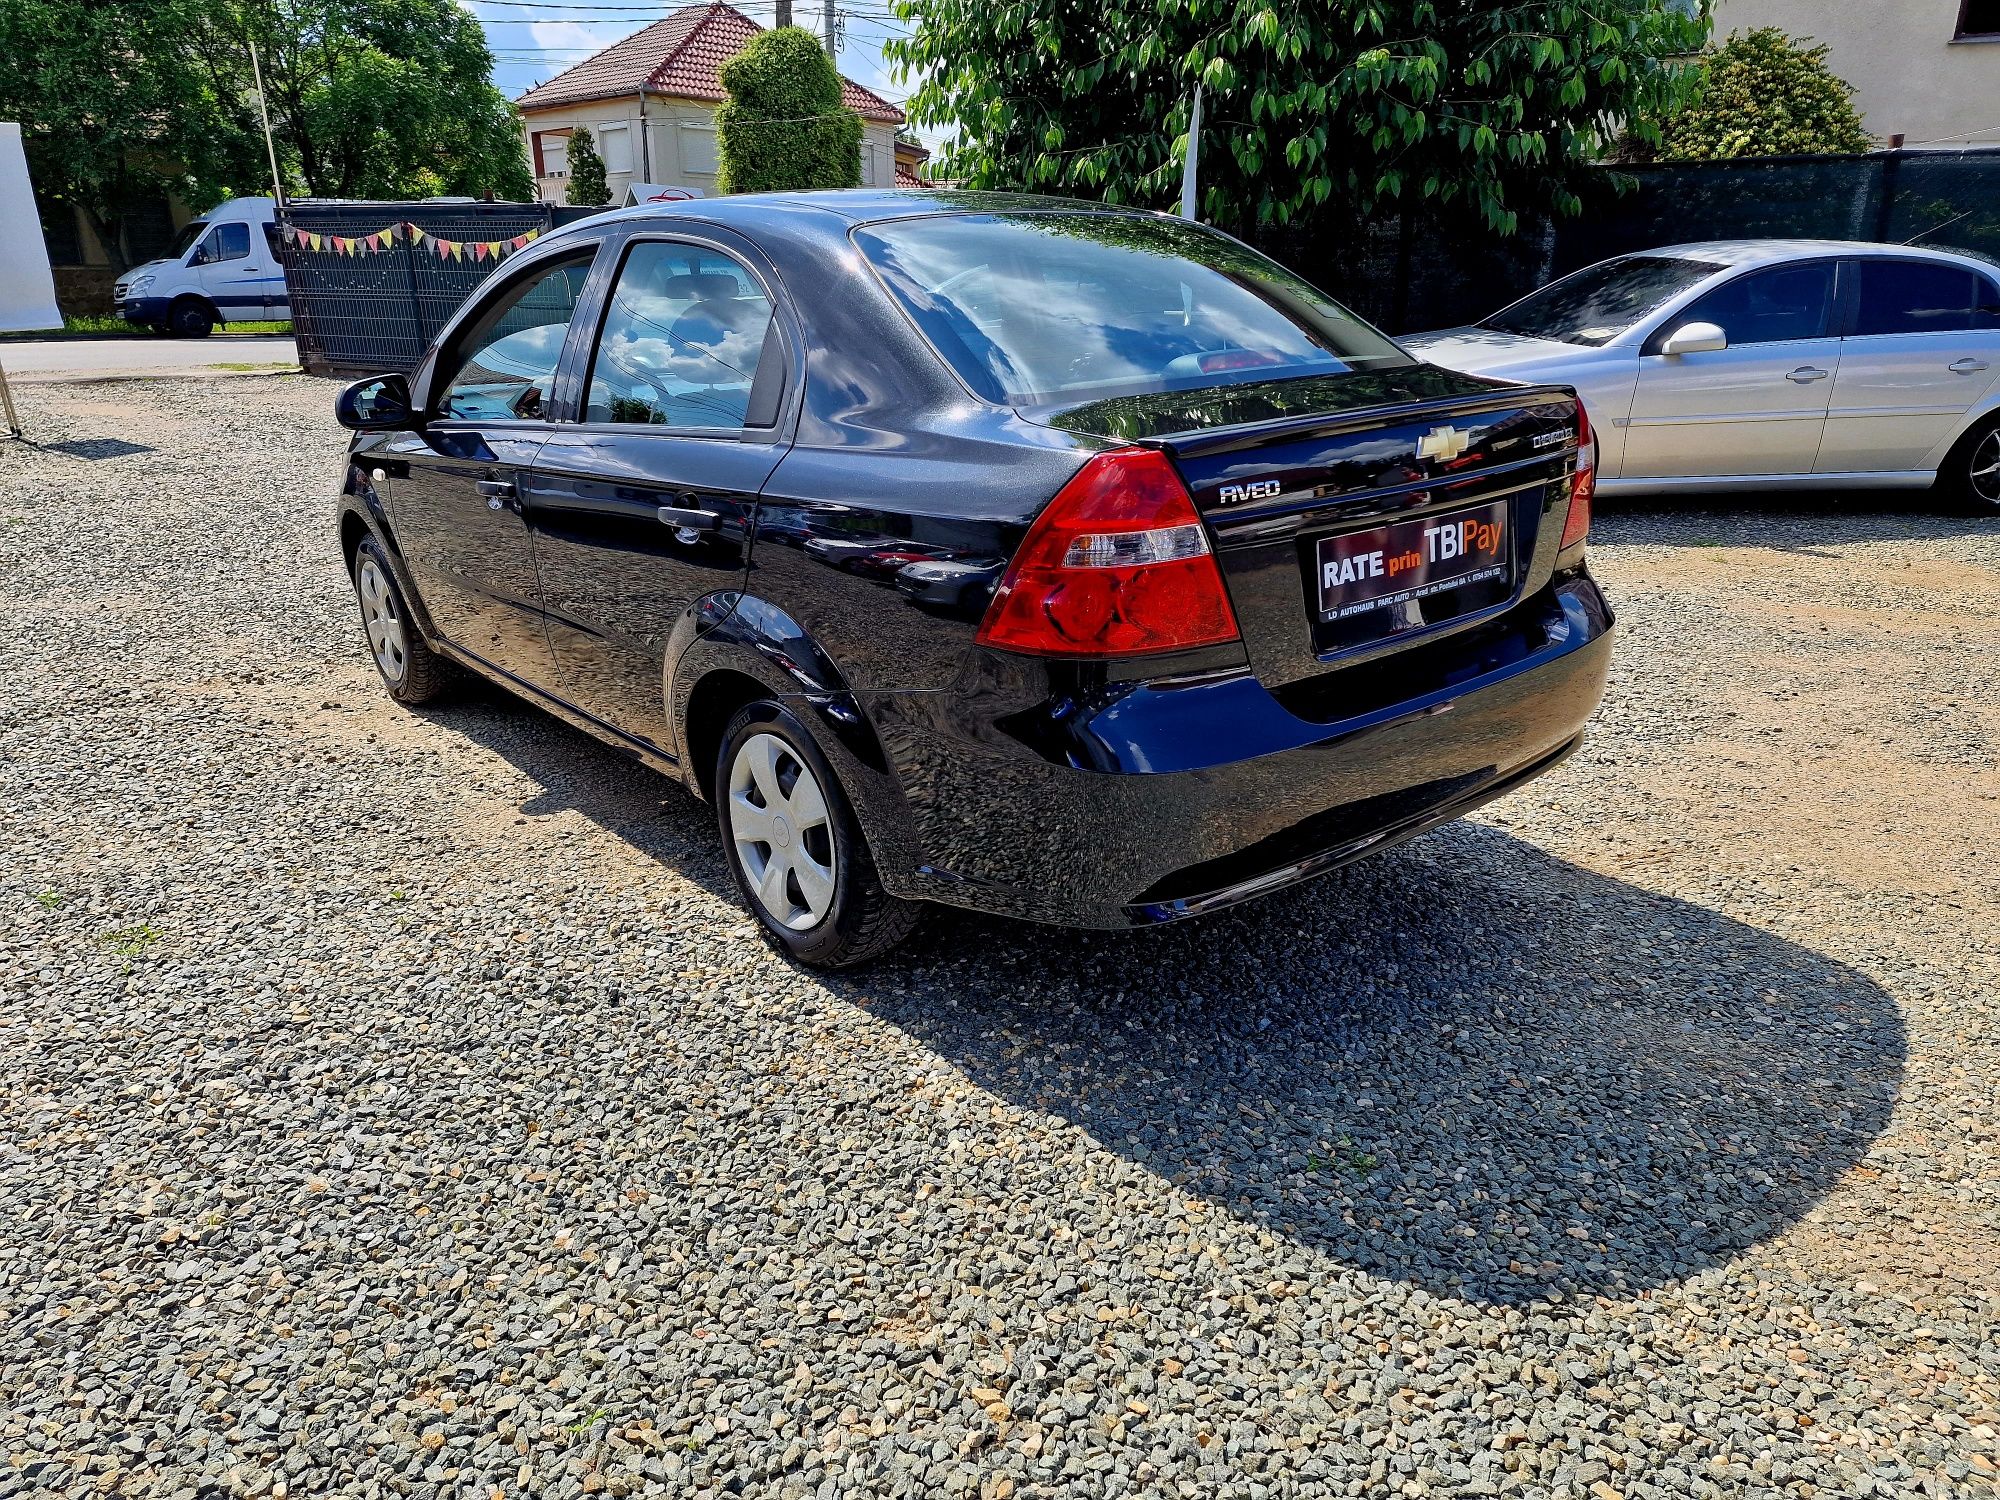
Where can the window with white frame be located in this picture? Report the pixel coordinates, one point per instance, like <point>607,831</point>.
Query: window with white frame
<point>555,152</point>
<point>614,144</point>
<point>698,150</point>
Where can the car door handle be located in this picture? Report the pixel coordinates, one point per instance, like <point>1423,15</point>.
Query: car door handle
<point>1806,375</point>
<point>688,518</point>
<point>1966,366</point>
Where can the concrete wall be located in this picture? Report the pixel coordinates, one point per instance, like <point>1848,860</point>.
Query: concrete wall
<point>680,134</point>
<point>1910,76</point>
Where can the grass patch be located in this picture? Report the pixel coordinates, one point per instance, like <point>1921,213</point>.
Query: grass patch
<point>48,900</point>
<point>130,942</point>
<point>119,325</point>
<point>1343,1157</point>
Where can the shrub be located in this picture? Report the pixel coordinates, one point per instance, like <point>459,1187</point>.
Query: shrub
<point>783,127</point>
<point>587,186</point>
<point>1762,94</point>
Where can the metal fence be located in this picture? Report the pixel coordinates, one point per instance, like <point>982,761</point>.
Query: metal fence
<point>1436,274</point>
<point>378,310</point>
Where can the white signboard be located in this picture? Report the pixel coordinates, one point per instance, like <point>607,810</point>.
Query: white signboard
<point>27,290</point>
<point>657,192</point>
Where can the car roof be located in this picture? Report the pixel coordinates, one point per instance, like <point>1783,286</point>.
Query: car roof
<point>1725,254</point>
<point>851,206</point>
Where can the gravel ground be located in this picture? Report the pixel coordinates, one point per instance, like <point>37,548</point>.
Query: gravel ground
<point>396,1103</point>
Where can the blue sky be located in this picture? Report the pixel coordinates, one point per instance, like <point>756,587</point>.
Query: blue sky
<point>532,42</point>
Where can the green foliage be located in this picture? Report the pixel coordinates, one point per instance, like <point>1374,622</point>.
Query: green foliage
<point>587,185</point>
<point>783,127</point>
<point>1324,114</point>
<point>385,98</point>
<point>123,100</point>
<point>1762,94</point>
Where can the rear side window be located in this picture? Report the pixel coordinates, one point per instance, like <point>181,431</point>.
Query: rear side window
<point>681,340</point>
<point>1770,306</point>
<point>1035,309</point>
<point>508,356</point>
<point>1914,296</point>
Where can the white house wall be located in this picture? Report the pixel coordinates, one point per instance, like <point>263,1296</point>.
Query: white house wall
<point>680,137</point>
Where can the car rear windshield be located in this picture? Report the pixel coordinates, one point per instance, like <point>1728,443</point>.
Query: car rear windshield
<point>1596,304</point>
<point>1045,309</point>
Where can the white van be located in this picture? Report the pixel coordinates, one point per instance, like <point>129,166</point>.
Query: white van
<point>223,269</point>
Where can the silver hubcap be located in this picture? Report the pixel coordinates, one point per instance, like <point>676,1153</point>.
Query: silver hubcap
<point>1985,475</point>
<point>784,838</point>
<point>380,620</point>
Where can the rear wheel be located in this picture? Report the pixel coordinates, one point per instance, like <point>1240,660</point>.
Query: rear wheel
<point>191,318</point>
<point>1971,474</point>
<point>411,671</point>
<point>798,854</point>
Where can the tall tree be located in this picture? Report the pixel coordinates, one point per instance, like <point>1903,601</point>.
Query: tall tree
<point>783,126</point>
<point>1330,113</point>
<point>386,98</point>
<point>588,187</point>
<point>123,101</point>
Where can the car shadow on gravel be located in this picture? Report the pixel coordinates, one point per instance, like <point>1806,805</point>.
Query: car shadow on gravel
<point>1466,1064</point>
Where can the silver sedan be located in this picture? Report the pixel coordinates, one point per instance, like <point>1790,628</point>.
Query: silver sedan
<point>1765,364</point>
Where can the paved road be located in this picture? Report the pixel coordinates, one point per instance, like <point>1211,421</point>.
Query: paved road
<point>97,359</point>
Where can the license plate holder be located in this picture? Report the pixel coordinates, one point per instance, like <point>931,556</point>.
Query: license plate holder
<point>1402,564</point>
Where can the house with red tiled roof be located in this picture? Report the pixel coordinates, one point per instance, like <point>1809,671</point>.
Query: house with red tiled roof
<point>650,100</point>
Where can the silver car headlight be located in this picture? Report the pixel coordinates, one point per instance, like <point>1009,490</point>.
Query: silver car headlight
<point>136,285</point>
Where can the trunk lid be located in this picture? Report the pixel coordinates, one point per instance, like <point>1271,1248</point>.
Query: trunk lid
<point>1356,514</point>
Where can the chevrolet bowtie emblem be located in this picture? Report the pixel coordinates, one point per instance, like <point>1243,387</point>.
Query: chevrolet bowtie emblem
<point>1443,443</point>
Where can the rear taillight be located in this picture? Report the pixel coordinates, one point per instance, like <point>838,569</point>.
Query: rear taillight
<point>1584,485</point>
<point>1118,565</point>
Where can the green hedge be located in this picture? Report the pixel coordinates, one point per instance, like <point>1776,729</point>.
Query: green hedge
<point>783,127</point>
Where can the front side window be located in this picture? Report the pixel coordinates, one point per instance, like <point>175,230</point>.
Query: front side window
<point>1919,296</point>
<point>1769,307</point>
<point>508,357</point>
<point>226,242</point>
<point>681,340</point>
<point>1595,305</point>
<point>1034,309</point>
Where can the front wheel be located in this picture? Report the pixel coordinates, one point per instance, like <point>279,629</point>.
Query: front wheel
<point>191,318</point>
<point>1971,474</point>
<point>798,854</point>
<point>411,671</point>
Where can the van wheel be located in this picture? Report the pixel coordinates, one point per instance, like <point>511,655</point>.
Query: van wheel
<point>798,854</point>
<point>191,318</point>
<point>1970,476</point>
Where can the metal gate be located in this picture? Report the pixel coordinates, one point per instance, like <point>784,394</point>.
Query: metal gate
<point>372,283</point>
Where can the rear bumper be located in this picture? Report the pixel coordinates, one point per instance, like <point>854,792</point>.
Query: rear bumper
<point>1151,802</point>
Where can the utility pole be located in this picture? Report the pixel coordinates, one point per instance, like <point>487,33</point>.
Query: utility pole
<point>270,145</point>
<point>832,39</point>
<point>784,17</point>
<point>1190,201</point>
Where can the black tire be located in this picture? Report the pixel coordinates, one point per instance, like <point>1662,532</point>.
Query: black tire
<point>413,674</point>
<point>1969,478</point>
<point>862,920</point>
<point>191,318</point>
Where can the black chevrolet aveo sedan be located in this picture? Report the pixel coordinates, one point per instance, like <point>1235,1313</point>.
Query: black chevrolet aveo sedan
<point>1075,564</point>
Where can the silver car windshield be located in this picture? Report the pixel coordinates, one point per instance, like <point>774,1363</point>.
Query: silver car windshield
<point>1596,304</point>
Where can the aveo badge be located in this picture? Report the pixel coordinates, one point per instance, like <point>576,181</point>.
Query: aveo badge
<point>1256,489</point>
